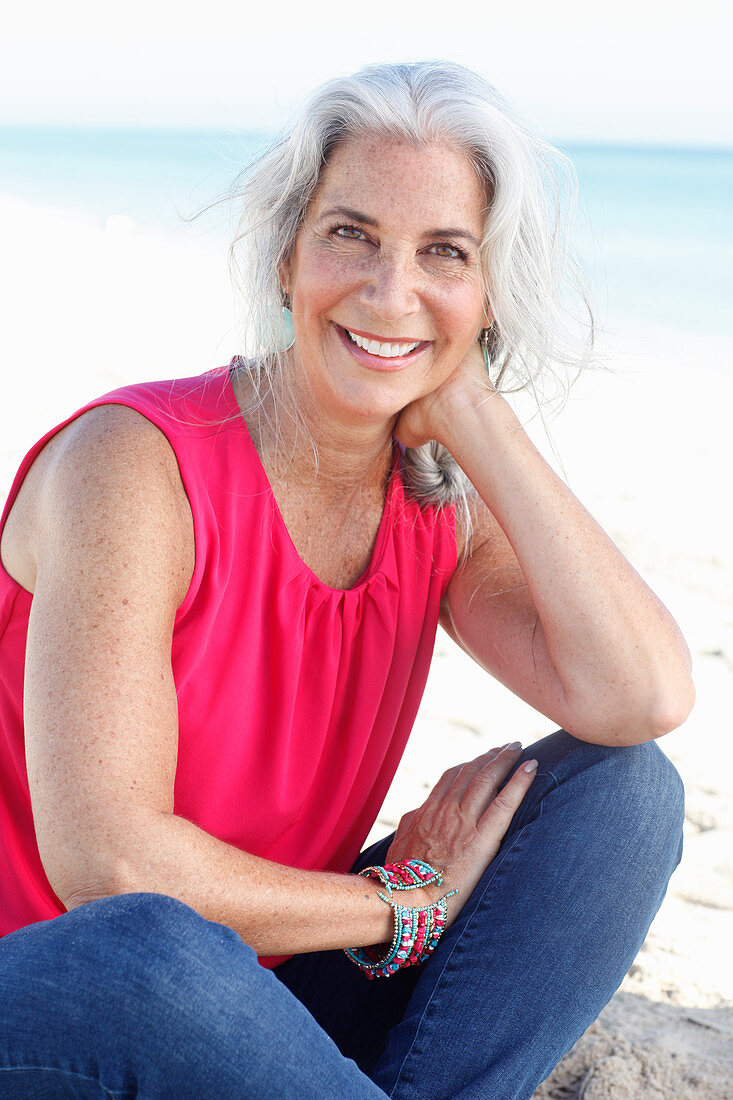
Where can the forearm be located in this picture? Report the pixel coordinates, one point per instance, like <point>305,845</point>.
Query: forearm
<point>276,909</point>
<point>615,650</point>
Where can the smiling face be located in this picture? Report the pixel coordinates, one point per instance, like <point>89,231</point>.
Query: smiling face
<point>384,278</point>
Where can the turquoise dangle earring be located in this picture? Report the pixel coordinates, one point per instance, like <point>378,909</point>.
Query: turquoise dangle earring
<point>287,329</point>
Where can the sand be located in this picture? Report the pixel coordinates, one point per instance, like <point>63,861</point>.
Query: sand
<point>93,304</point>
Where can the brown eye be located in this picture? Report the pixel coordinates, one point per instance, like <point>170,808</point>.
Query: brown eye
<point>449,252</point>
<point>348,232</point>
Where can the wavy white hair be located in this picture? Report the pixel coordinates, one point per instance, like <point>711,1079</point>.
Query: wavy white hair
<point>526,261</point>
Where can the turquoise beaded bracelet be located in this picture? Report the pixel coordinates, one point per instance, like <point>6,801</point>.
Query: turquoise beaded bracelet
<point>417,929</point>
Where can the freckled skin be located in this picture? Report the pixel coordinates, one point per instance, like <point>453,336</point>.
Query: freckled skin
<point>394,280</point>
<point>102,534</point>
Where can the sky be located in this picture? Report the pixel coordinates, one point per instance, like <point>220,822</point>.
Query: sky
<point>636,71</point>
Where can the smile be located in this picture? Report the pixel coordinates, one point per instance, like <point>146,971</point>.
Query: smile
<point>384,349</point>
<point>378,354</point>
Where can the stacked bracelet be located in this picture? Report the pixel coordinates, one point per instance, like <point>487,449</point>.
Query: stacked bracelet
<point>416,930</point>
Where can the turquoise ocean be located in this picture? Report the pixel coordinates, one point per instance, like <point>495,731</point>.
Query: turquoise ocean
<point>654,225</point>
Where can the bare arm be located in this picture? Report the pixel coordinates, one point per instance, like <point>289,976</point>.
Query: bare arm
<point>112,550</point>
<point>546,602</point>
<point>114,556</point>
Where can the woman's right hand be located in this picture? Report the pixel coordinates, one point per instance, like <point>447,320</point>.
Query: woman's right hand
<point>461,824</point>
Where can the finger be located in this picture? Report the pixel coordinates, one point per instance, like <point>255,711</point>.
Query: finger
<point>485,757</point>
<point>449,777</point>
<point>481,783</point>
<point>445,783</point>
<point>457,778</point>
<point>479,763</point>
<point>498,815</point>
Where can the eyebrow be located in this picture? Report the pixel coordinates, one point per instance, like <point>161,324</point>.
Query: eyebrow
<point>357,216</point>
<point>347,212</point>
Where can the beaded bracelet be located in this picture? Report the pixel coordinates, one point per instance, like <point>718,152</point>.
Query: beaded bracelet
<point>417,929</point>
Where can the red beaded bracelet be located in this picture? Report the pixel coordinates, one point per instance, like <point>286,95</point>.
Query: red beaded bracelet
<point>417,929</point>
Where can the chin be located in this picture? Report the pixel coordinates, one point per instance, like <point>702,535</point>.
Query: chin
<point>370,409</point>
<point>378,399</point>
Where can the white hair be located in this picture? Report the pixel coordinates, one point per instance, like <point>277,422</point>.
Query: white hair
<point>526,262</point>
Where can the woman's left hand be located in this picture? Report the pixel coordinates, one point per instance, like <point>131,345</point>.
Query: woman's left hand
<point>460,826</point>
<point>425,418</point>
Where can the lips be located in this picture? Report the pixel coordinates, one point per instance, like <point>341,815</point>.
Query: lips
<point>388,355</point>
<point>385,349</point>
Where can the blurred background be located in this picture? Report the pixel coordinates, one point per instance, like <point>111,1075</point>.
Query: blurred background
<point>126,121</point>
<point>118,124</point>
<point>117,127</point>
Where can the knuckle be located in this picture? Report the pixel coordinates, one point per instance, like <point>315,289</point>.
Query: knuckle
<point>485,780</point>
<point>505,802</point>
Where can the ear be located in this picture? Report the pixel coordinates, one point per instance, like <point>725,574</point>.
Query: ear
<point>284,275</point>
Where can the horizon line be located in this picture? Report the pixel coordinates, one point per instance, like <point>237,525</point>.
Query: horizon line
<point>630,144</point>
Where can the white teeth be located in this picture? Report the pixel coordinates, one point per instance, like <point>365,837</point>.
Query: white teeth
<point>383,350</point>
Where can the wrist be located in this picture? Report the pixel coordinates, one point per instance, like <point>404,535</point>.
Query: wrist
<point>417,928</point>
<point>471,413</point>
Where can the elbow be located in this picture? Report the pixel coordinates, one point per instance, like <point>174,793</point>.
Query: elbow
<point>632,721</point>
<point>655,700</point>
<point>672,694</point>
<point>94,861</point>
<point>672,708</point>
<point>74,887</point>
<point>73,898</point>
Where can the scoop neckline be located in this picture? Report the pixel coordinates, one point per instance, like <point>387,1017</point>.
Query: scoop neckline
<point>371,568</point>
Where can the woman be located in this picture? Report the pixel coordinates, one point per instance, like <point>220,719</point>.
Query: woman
<point>230,587</point>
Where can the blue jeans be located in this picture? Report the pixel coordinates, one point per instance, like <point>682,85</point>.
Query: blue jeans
<point>138,995</point>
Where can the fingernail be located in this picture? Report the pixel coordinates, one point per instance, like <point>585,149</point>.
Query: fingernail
<point>530,766</point>
<point>514,745</point>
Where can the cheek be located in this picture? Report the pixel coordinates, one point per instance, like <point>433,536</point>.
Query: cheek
<point>458,309</point>
<point>324,281</point>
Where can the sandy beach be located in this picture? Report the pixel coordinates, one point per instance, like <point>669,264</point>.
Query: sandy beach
<point>646,445</point>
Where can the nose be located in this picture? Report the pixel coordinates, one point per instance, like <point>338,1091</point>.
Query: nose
<point>391,290</point>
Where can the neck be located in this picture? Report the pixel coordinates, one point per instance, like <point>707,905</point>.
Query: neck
<point>295,439</point>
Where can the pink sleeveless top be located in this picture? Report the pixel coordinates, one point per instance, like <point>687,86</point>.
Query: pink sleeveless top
<point>295,699</point>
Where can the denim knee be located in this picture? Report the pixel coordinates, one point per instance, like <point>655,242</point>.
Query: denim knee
<point>634,793</point>
<point>162,950</point>
<point>129,955</point>
<point>658,793</point>
<point>151,916</point>
<point>649,783</point>
<point>139,995</point>
<point>156,912</point>
<point>643,795</point>
<point>654,773</point>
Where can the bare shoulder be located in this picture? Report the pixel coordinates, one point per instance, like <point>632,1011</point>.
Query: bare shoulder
<point>108,479</point>
<point>108,437</point>
<point>112,550</point>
